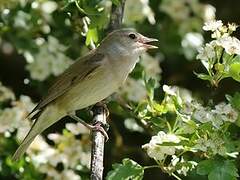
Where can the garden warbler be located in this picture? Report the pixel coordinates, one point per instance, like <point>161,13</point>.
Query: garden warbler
<point>89,80</point>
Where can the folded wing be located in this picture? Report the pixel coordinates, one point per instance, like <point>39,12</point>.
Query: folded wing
<point>76,73</point>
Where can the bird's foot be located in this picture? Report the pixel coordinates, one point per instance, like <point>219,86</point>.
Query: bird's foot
<point>101,127</point>
<point>98,126</point>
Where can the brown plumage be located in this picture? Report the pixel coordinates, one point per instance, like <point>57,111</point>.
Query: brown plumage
<point>88,81</point>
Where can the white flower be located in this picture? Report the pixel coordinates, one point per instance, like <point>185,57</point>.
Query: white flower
<point>177,10</point>
<point>134,90</point>
<point>131,124</point>
<point>136,10</point>
<point>209,13</point>
<point>186,166</point>
<point>158,152</point>
<point>151,65</point>
<point>230,44</point>
<point>173,91</point>
<point>40,69</point>
<point>192,39</point>
<point>5,93</point>
<point>213,144</point>
<point>217,121</point>
<point>77,128</point>
<point>21,20</point>
<point>49,6</point>
<point>70,174</point>
<point>232,27</point>
<point>202,115</point>
<point>147,11</point>
<point>212,25</point>
<point>60,64</point>
<point>49,60</point>
<point>53,174</point>
<point>206,53</point>
<point>225,112</point>
<point>40,152</point>
<point>70,151</point>
<point>22,129</point>
<point>10,119</point>
<point>190,43</point>
<point>201,144</point>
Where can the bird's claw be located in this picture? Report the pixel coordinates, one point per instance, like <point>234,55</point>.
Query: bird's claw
<point>101,127</point>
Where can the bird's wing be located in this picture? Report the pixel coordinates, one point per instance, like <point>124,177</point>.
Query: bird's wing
<point>76,73</point>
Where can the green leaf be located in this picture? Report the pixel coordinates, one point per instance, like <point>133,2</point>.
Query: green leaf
<point>150,84</point>
<point>99,21</point>
<point>92,35</point>
<point>128,170</point>
<point>234,71</point>
<point>116,2</point>
<point>235,100</point>
<point>159,122</point>
<point>203,76</point>
<point>218,169</point>
<point>236,59</point>
<point>205,167</point>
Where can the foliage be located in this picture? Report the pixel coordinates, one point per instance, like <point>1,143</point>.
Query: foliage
<point>178,129</point>
<point>220,57</point>
<point>127,170</point>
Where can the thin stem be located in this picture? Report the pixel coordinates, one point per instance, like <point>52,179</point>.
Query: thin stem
<point>169,126</point>
<point>83,11</point>
<point>174,175</point>
<point>149,167</point>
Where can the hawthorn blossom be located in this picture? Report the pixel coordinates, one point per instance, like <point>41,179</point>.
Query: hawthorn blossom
<point>6,93</point>
<point>230,44</point>
<point>206,53</point>
<point>158,152</point>
<point>212,25</point>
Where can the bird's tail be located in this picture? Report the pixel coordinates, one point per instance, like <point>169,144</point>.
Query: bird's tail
<point>49,116</point>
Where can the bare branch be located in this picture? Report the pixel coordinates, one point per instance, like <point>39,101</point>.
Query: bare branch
<point>117,16</point>
<point>99,111</point>
<point>98,139</point>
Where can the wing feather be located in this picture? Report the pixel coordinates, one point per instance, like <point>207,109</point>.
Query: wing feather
<point>76,73</point>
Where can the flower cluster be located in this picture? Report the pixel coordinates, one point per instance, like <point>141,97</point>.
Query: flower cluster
<point>66,152</point>
<point>188,14</point>
<point>217,116</point>
<point>5,93</point>
<point>196,128</point>
<point>211,145</point>
<point>45,157</point>
<point>220,57</point>
<point>151,67</point>
<point>49,60</point>
<point>13,117</point>
<point>132,9</point>
<point>180,165</point>
<point>156,148</point>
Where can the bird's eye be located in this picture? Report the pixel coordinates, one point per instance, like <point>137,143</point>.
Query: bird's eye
<point>132,36</point>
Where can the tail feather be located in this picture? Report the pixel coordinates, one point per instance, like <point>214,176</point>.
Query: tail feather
<point>22,148</point>
<point>49,116</point>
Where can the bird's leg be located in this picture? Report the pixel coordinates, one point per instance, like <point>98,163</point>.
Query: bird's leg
<point>95,127</point>
<point>103,104</point>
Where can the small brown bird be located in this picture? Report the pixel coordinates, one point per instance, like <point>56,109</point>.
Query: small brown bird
<point>89,80</point>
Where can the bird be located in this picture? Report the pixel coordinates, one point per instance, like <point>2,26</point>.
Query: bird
<point>90,79</point>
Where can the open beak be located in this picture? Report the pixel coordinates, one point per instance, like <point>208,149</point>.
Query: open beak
<point>144,41</point>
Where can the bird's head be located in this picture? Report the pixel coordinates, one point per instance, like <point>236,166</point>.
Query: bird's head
<point>127,40</point>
